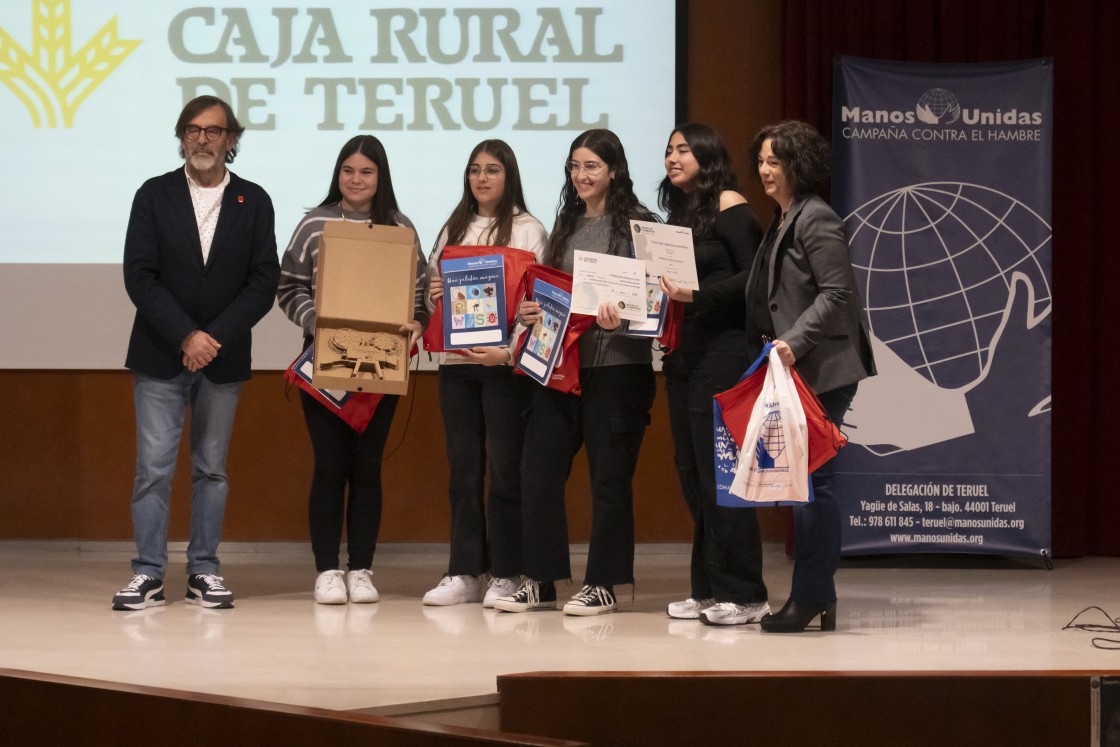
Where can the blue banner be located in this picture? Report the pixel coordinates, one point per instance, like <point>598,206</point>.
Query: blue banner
<point>942,174</point>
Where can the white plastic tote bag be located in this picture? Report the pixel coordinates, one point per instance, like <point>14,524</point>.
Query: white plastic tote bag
<point>774,462</point>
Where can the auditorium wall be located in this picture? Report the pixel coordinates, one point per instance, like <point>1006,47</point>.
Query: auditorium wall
<point>68,439</point>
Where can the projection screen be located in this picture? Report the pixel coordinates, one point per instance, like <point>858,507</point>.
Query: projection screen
<point>91,91</point>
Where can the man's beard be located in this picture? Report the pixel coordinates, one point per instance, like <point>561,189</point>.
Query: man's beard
<point>201,161</point>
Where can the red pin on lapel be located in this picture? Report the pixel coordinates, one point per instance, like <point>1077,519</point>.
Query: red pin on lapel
<point>241,198</point>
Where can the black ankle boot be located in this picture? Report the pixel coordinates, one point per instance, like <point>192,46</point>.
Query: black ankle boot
<point>795,616</point>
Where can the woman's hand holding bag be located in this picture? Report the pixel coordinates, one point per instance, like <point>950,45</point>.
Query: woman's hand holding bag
<point>773,465</point>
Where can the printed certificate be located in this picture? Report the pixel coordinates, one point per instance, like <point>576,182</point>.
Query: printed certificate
<point>667,250</point>
<point>605,278</point>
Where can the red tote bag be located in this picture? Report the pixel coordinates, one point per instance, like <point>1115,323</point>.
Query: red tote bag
<point>356,408</point>
<point>671,334</point>
<point>825,439</point>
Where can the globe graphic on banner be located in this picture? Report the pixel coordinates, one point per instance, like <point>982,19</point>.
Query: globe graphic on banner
<point>935,264</point>
<point>938,265</point>
<point>938,106</point>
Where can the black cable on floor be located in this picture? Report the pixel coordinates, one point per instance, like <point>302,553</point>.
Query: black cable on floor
<point>1112,626</point>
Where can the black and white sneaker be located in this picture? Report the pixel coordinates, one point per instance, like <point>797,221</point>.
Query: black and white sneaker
<point>142,591</point>
<point>592,600</point>
<point>531,595</point>
<point>206,590</point>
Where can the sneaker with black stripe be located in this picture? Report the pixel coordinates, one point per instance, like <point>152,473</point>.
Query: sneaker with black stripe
<point>592,600</point>
<point>141,592</point>
<point>207,590</point>
<point>729,613</point>
<point>531,595</point>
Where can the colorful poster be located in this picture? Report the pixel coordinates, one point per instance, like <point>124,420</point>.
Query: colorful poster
<point>542,350</point>
<point>474,302</point>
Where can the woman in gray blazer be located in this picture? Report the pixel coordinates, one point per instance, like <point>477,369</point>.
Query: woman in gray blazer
<point>802,294</point>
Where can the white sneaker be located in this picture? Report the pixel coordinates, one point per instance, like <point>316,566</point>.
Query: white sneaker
<point>500,587</point>
<point>360,584</point>
<point>454,590</point>
<point>729,613</point>
<point>689,609</point>
<point>329,588</point>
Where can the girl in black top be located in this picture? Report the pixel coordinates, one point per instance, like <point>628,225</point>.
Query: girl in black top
<point>699,191</point>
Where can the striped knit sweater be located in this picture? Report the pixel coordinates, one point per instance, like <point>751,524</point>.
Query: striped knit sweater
<point>299,268</point>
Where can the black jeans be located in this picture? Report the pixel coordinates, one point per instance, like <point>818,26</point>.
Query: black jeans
<point>344,457</point>
<point>726,544</point>
<point>484,423</point>
<point>610,419</point>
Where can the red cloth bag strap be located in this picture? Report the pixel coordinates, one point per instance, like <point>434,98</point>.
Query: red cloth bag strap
<point>825,438</point>
<point>565,377</point>
<point>357,411</point>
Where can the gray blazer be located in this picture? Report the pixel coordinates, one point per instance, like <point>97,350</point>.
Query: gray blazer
<point>813,299</point>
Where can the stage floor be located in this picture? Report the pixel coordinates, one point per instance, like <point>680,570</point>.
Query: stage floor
<point>398,657</point>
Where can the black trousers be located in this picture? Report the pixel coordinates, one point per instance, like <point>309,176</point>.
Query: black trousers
<point>609,418</point>
<point>726,544</point>
<point>816,525</point>
<point>484,411</point>
<point>345,459</point>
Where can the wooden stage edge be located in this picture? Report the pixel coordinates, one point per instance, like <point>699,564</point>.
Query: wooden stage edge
<point>607,708</point>
<point>865,708</point>
<point>45,709</point>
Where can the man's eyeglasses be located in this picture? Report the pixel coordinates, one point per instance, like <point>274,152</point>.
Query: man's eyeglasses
<point>591,168</point>
<point>213,132</point>
<point>492,171</point>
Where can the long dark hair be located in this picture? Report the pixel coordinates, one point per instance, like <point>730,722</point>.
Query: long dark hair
<point>513,199</point>
<point>622,203</point>
<point>802,151</point>
<point>383,209</point>
<point>698,209</point>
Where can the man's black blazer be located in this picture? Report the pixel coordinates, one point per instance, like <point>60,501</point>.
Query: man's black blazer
<point>175,293</point>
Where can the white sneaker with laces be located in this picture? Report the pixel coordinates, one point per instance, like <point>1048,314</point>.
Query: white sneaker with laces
<point>360,585</point>
<point>454,590</point>
<point>500,587</point>
<point>329,588</point>
<point>689,609</point>
<point>729,613</point>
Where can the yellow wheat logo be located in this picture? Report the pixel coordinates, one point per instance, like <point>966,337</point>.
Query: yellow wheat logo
<point>52,80</point>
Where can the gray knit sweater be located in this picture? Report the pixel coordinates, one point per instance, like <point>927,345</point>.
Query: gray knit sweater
<point>299,268</point>
<point>597,346</point>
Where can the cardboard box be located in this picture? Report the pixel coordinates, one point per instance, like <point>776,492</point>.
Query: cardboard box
<point>365,290</point>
